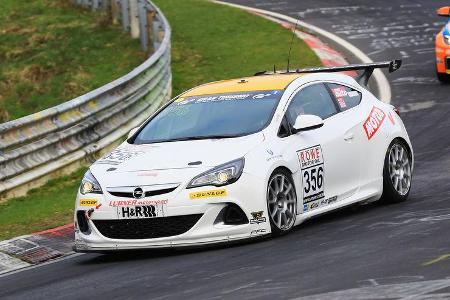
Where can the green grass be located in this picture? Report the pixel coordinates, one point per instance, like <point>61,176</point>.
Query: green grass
<point>52,51</point>
<point>212,42</point>
<point>209,42</point>
<point>46,207</point>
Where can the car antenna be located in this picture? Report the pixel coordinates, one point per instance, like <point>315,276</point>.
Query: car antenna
<point>290,47</point>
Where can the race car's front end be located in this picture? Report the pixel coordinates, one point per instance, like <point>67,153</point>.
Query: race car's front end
<point>168,208</point>
<point>443,48</point>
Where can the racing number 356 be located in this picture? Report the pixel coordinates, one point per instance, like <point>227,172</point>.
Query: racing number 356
<point>313,179</point>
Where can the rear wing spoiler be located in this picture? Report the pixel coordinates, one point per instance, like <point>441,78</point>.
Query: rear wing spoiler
<point>362,79</point>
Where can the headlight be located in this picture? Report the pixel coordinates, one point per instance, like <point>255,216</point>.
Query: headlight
<point>447,39</point>
<point>90,185</point>
<point>220,175</point>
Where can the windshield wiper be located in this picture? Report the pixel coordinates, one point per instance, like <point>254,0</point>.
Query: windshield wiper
<point>201,137</point>
<point>193,138</point>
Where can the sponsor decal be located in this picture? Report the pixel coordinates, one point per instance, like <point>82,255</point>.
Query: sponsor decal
<point>328,201</point>
<point>80,244</point>
<point>118,156</point>
<point>312,170</point>
<point>373,122</point>
<point>257,217</point>
<point>258,231</point>
<point>272,156</point>
<point>208,194</point>
<point>140,212</point>
<point>353,94</point>
<point>88,202</point>
<point>149,174</point>
<point>258,95</point>
<point>339,92</point>
<point>318,203</point>
<point>134,202</point>
<point>341,102</point>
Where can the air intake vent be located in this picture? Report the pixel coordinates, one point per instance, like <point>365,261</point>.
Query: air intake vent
<point>147,194</point>
<point>146,228</point>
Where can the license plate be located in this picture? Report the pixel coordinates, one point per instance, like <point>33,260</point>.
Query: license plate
<point>141,211</point>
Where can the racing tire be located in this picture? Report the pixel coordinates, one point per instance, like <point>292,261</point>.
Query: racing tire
<point>281,202</point>
<point>397,175</point>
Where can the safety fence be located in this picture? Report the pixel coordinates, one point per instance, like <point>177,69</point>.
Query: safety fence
<point>56,140</point>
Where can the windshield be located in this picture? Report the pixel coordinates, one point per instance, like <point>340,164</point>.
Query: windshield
<point>211,116</point>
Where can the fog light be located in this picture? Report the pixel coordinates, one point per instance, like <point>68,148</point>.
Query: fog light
<point>231,215</point>
<point>82,222</point>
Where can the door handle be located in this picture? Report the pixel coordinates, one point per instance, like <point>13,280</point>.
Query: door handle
<point>349,136</point>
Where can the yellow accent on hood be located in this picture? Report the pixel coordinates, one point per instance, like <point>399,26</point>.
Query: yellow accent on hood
<point>246,84</point>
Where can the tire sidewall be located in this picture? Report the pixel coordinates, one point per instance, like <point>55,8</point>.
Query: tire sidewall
<point>275,230</point>
<point>390,194</point>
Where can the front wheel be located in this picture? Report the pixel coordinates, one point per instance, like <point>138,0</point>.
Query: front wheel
<point>281,202</point>
<point>443,77</point>
<point>397,173</point>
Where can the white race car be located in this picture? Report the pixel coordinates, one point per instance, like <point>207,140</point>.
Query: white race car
<point>243,158</point>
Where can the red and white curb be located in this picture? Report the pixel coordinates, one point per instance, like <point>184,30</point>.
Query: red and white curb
<point>40,247</point>
<point>384,88</point>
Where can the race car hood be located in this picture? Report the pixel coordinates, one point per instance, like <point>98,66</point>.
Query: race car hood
<point>161,163</point>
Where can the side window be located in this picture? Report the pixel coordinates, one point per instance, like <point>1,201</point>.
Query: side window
<point>284,129</point>
<point>346,97</point>
<point>312,100</point>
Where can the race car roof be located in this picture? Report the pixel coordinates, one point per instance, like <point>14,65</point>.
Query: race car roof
<point>247,84</point>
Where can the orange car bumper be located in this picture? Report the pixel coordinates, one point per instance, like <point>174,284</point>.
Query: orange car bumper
<point>442,55</point>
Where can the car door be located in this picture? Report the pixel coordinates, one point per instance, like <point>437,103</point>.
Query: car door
<point>327,161</point>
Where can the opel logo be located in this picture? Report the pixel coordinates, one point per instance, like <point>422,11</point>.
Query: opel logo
<point>138,193</point>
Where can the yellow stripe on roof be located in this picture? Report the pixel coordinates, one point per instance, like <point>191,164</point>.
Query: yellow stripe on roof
<point>246,84</point>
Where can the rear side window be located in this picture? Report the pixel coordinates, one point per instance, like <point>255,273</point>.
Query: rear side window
<point>346,97</point>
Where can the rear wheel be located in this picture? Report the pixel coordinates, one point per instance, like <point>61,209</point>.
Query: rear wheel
<point>281,202</point>
<point>397,173</point>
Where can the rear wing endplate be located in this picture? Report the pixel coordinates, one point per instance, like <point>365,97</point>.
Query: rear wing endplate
<point>362,79</point>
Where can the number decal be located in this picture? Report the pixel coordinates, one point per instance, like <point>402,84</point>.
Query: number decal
<point>312,170</point>
<point>306,183</point>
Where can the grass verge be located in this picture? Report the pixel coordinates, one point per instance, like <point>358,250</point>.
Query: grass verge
<point>213,42</point>
<point>52,51</point>
<point>46,207</point>
<point>210,42</point>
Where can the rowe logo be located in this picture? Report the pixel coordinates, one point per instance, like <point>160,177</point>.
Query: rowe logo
<point>373,122</point>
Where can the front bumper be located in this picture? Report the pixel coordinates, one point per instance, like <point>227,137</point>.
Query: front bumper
<point>442,55</point>
<point>248,193</point>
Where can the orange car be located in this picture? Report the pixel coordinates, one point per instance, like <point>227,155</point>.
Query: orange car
<point>443,47</point>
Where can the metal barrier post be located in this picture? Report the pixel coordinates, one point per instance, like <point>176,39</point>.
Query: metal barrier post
<point>115,11</point>
<point>143,25</point>
<point>125,15</point>
<point>134,19</point>
<point>95,5</point>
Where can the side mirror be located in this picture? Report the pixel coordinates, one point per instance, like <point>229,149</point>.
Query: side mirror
<point>132,132</point>
<point>307,122</point>
<point>444,11</point>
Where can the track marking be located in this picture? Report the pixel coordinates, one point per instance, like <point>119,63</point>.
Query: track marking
<point>436,260</point>
<point>384,89</point>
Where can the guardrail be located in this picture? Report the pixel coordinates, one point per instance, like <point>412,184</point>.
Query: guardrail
<point>59,139</point>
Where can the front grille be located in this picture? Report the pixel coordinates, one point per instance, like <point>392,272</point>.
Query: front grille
<point>146,228</point>
<point>147,194</point>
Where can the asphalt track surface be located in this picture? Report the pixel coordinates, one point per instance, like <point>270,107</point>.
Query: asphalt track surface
<point>399,251</point>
